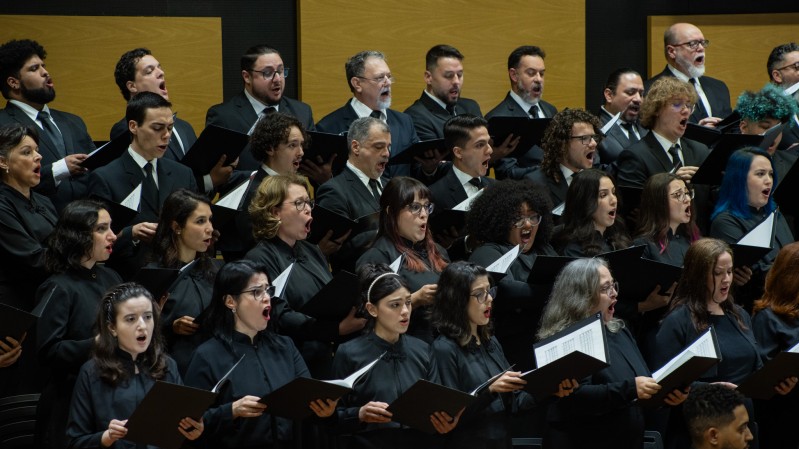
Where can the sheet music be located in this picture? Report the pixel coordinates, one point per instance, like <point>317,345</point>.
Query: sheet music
<point>502,264</point>
<point>794,349</point>
<point>233,199</point>
<point>225,377</point>
<point>132,201</point>
<point>98,149</point>
<point>558,210</point>
<point>760,235</point>
<point>702,347</point>
<point>587,339</point>
<point>395,266</point>
<point>350,380</point>
<point>281,280</point>
<point>610,123</point>
<point>466,204</point>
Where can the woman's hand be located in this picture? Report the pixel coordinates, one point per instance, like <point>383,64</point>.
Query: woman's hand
<point>190,428</point>
<point>424,295</point>
<point>646,387</point>
<point>329,246</point>
<point>184,325</point>
<point>351,323</point>
<point>786,385</point>
<point>655,300</point>
<point>375,412</point>
<point>677,397</point>
<point>10,351</point>
<point>509,381</point>
<point>443,423</point>
<point>248,407</point>
<point>741,275</point>
<point>323,408</point>
<point>566,387</point>
<point>116,430</point>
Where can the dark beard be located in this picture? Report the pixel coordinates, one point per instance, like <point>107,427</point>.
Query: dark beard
<point>43,95</point>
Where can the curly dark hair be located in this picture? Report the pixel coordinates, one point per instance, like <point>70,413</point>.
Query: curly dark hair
<point>13,55</point>
<point>125,69</point>
<point>72,239</point>
<point>558,135</point>
<point>578,220</point>
<point>271,131</point>
<point>450,312</point>
<point>109,366</point>
<point>492,215</point>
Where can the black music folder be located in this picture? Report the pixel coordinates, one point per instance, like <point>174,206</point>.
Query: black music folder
<point>546,268</point>
<point>576,352</point>
<point>155,421</point>
<point>686,367</point>
<point>418,149</point>
<point>157,280</point>
<point>324,145</point>
<point>760,385</point>
<point>336,299</point>
<point>529,130</point>
<point>293,399</point>
<point>325,219</point>
<point>15,322</point>
<point>711,171</point>
<point>107,153</point>
<point>414,407</point>
<point>213,142</point>
<point>709,136</point>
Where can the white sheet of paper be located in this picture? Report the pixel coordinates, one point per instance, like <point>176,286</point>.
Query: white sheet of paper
<point>133,200</point>
<point>395,266</point>
<point>760,235</point>
<point>610,123</point>
<point>280,281</point>
<point>502,264</point>
<point>702,347</point>
<point>233,199</point>
<point>587,339</point>
<point>350,380</point>
<point>558,210</point>
<point>466,204</point>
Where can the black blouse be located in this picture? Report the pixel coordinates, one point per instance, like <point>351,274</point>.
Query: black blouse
<point>730,229</point>
<point>674,254</point>
<point>774,333</point>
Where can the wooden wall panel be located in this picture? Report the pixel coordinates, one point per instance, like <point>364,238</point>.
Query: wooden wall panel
<point>739,45</point>
<point>485,32</point>
<point>82,52</point>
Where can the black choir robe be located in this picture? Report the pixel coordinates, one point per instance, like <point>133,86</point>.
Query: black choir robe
<point>95,402</point>
<point>270,361</point>
<point>405,362</point>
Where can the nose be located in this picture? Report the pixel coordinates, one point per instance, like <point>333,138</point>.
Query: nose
<point>111,236</point>
<point>490,150</point>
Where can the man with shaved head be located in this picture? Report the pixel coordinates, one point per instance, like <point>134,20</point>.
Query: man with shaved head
<point>684,48</point>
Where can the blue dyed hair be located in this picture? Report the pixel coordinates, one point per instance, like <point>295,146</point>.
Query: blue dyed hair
<point>770,102</point>
<point>732,197</point>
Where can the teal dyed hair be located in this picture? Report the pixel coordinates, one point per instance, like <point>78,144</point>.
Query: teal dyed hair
<point>769,102</point>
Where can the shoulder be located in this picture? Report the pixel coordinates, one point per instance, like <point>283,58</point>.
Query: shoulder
<point>471,106</point>
<point>401,117</point>
<point>444,345</point>
<point>297,105</point>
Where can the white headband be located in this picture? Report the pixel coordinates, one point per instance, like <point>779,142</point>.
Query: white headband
<point>369,292</point>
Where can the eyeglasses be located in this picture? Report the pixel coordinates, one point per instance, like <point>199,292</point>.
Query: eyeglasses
<point>605,289</point>
<point>693,45</point>
<point>300,204</point>
<point>533,220</point>
<point>586,139</point>
<point>687,105</point>
<point>380,79</point>
<point>416,208</point>
<point>482,295</point>
<point>794,66</point>
<point>269,73</point>
<point>682,195</point>
<point>259,292</point>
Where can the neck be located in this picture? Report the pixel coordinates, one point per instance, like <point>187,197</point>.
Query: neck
<point>138,151</point>
<point>715,307</point>
<point>19,98</point>
<point>186,255</point>
<point>244,330</point>
<point>599,228</point>
<point>88,263</point>
<point>671,137</point>
<point>24,190</point>
<point>473,329</point>
<point>673,227</point>
<point>288,241</point>
<point>387,335</point>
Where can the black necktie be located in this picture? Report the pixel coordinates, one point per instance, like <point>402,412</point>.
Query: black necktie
<point>533,111</point>
<point>700,104</point>
<point>476,182</point>
<point>630,132</point>
<point>674,151</point>
<point>376,114</point>
<point>375,191</point>
<point>149,191</point>
<point>269,110</point>
<point>52,132</point>
<point>451,110</point>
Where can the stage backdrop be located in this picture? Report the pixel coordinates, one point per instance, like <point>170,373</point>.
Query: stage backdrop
<point>82,52</point>
<point>739,45</point>
<point>330,31</point>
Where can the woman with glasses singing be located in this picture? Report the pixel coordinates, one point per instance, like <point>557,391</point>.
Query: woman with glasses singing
<point>591,222</point>
<point>405,207</point>
<point>467,354</point>
<point>745,200</point>
<point>184,235</point>
<point>602,412</point>
<point>363,414</point>
<point>238,317</point>
<point>702,299</point>
<point>281,221</point>
<point>509,214</point>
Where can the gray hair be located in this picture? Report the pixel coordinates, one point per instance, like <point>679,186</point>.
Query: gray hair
<point>354,66</point>
<point>360,128</point>
<point>574,297</point>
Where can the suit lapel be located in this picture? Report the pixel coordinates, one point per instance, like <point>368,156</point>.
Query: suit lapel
<point>657,152</point>
<point>358,188</point>
<point>436,109</point>
<point>46,146</point>
<point>66,133</point>
<point>246,113</point>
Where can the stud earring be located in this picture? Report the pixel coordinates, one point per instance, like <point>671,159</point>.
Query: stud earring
<point>233,310</point>
<point>177,232</point>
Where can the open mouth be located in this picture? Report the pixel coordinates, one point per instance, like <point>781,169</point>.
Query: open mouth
<point>699,60</point>
<point>308,226</point>
<point>526,234</point>
<point>109,249</point>
<point>590,156</point>
<point>141,338</point>
<point>385,93</point>
<point>766,192</point>
<point>381,166</point>
<point>688,211</point>
<point>207,242</point>
<point>484,164</point>
<point>612,214</point>
<point>38,169</point>
<point>162,148</point>
<point>487,312</point>
<point>612,307</point>
<point>405,322</point>
<point>536,89</point>
<point>265,313</point>
<point>296,163</point>
<point>423,228</point>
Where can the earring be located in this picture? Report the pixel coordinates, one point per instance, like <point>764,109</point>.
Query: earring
<point>233,310</point>
<point>177,232</point>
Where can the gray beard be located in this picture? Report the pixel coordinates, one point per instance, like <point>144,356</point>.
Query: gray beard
<point>384,104</point>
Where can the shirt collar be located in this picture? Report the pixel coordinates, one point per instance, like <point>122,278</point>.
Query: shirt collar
<point>29,110</point>
<point>524,104</point>
<point>679,75</point>
<point>664,142</point>
<point>463,178</point>
<point>361,175</point>
<point>365,111</point>
<point>269,170</point>
<point>259,107</point>
<point>567,173</point>
<point>436,99</point>
<point>140,160</point>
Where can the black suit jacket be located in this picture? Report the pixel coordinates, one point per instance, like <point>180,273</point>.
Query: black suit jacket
<point>429,117</point>
<point>76,141</point>
<point>173,151</point>
<point>790,136</point>
<point>115,181</point>
<point>237,114</point>
<point>403,134</point>
<point>557,190</point>
<point>346,195</point>
<point>717,93</point>
<point>647,157</point>
<point>615,140</point>
<point>448,191</point>
<point>512,167</point>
